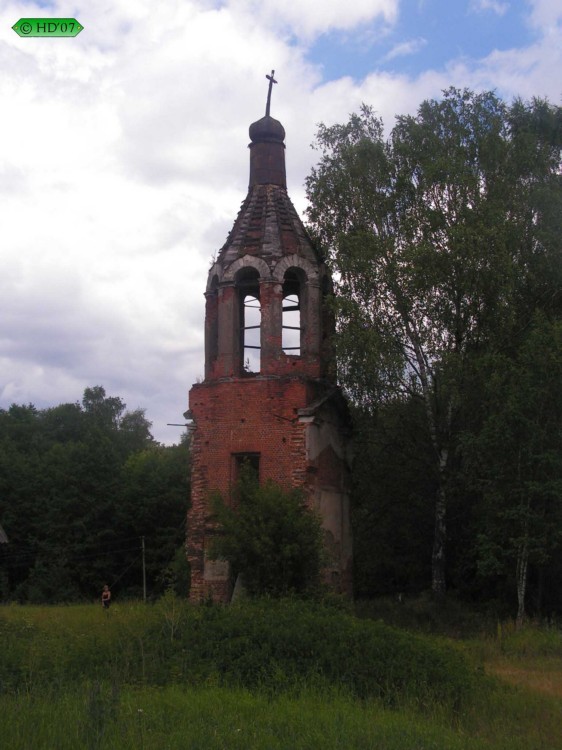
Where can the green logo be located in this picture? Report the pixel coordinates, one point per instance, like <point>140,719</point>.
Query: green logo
<point>47,27</point>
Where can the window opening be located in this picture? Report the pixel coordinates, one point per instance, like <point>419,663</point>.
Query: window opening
<point>246,462</point>
<point>248,286</point>
<point>251,330</point>
<point>291,323</point>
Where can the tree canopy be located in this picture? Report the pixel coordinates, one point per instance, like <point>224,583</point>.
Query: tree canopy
<point>445,242</point>
<point>80,484</point>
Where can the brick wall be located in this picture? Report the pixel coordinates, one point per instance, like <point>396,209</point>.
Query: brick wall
<point>246,415</point>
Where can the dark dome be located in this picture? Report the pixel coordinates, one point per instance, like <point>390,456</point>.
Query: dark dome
<point>267,129</point>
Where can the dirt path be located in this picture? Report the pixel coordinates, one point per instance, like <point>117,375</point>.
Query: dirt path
<point>544,676</point>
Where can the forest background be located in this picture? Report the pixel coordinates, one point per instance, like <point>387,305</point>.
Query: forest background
<point>81,485</point>
<point>444,239</point>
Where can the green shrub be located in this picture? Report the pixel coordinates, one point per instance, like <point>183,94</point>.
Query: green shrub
<point>278,645</point>
<point>270,537</point>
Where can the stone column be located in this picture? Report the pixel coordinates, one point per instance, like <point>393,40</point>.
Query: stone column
<point>229,357</point>
<point>271,302</point>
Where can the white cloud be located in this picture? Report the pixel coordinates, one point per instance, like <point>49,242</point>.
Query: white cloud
<point>409,47</point>
<point>527,72</point>
<point>495,6</point>
<point>123,163</point>
<point>307,19</point>
<point>546,15</point>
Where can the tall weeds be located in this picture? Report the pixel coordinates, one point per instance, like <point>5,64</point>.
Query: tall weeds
<point>268,645</point>
<point>263,674</point>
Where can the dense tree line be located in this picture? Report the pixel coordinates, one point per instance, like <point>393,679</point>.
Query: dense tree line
<point>80,485</point>
<point>446,242</point>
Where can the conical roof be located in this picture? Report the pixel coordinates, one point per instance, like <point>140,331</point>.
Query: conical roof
<point>268,224</point>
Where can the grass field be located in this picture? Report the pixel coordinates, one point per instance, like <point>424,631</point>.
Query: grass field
<point>173,676</point>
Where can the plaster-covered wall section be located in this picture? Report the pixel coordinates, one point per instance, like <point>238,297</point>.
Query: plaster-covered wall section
<point>328,466</point>
<point>334,508</point>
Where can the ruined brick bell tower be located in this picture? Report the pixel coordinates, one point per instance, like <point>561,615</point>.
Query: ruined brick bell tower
<point>268,397</point>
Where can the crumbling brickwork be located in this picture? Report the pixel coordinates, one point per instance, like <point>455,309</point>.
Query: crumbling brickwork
<point>282,409</point>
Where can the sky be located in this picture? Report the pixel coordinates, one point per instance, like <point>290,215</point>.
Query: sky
<point>124,160</point>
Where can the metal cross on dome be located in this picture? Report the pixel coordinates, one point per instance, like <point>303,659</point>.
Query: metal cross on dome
<point>271,80</point>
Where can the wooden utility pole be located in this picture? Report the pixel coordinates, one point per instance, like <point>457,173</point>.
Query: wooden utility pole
<point>143,572</point>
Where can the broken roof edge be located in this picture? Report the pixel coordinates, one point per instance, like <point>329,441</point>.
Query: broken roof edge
<point>334,394</point>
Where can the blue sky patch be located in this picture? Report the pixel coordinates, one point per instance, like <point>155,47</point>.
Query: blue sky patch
<point>428,34</point>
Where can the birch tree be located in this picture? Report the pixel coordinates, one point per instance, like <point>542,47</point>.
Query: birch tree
<point>426,232</point>
<point>516,458</point>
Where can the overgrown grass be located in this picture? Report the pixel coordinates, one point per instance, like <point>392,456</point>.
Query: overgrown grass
<point>209,718</point>
<point>264,674</point>
<point>268,645</point>
<point>530,641</point>
<point>53,646</point>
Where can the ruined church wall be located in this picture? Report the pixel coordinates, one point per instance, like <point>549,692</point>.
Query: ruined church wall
<point>232,417</point>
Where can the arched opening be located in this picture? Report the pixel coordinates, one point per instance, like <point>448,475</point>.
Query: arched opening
<point>291,326</point>
<point>247,283</point>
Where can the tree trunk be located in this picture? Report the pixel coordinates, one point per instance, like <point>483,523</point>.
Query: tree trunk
<point>438,586</point>
<point>521,580</point>
<point>522,553</point>
<point>540,591</point>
